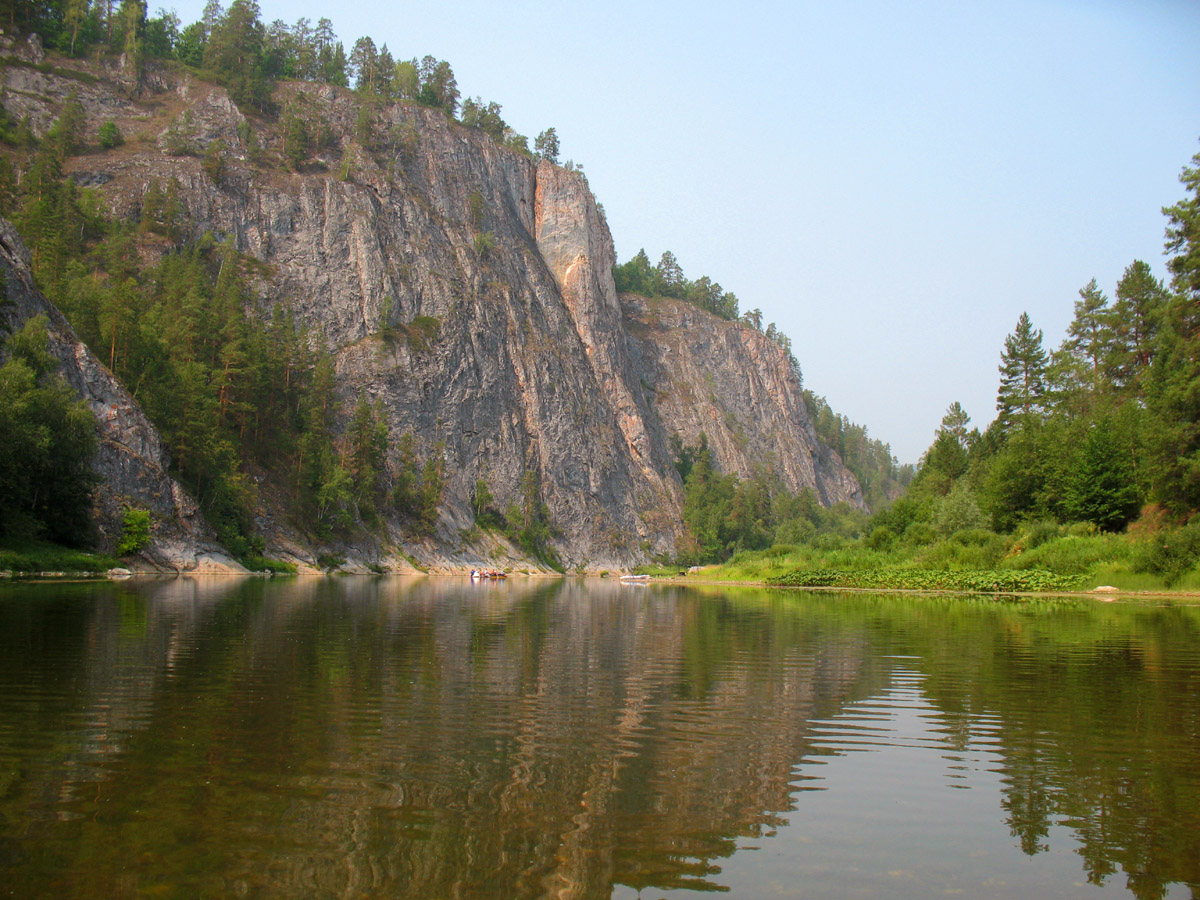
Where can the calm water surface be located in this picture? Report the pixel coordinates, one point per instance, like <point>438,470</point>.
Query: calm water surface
<point>426,738</point>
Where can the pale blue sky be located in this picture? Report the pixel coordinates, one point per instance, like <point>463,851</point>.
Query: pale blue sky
<point>893,183</point>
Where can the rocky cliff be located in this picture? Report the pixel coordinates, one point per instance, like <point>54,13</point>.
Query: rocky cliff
<point>130,458</point>
<point>732,384</point>
<point>537,365</point>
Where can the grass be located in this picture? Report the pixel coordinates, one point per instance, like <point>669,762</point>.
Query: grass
<point>26,557</point>
<point>1045,558</point>
<point>274,566</point>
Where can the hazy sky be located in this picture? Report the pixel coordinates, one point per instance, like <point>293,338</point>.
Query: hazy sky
<point>892,183</point>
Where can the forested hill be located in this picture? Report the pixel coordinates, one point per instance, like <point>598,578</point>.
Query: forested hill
<point>369,322</point>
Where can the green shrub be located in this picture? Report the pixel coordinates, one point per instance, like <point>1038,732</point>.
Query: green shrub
<point>1169,554</point>
<point>422,332</point>
<point>881,538</point>
<point>485,243</point>
<point>135,531</point>
<point>39,556</point>
<point>919,534</point>
<point>1072,555</point>
<point>110,136</point>
<point>274,566</point>
<point>330,561</point>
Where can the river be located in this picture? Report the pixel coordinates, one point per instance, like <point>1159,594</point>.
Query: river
<point>432,738</point>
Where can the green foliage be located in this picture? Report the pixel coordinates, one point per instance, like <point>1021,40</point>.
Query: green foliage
<point>1072,554</point>
<point>109,136</point>
<point>483,505</point>
<point>979,581</point>
<point>1170,554</point>
<point>257,563</point>
<point>528,523</point>
<point>296,139</point>
<point>1101,488</point>
<point>135,531</point>
<point>234,55</point>
<point>366,456</point>
<point>638,276</point>
<point>49,441</point>
<point>214,161</point>
<point>545,146</point>
<point>726,515</point>
<point>957,511</point>
<point>871,461</point>
<point>485,243</point>
<point>1022,375</point>
<point>1173,398</point>
<point>417,493</point>
<point>162,211</point>
<point>476,209</point>
<point>24,556</point>
<point>486,117</point>
<point>422,332</point>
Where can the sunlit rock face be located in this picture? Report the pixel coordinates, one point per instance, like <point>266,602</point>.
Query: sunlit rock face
<point>535,366</point>
<point>735,386</point>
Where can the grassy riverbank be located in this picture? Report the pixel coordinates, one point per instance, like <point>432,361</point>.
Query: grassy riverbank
<point>24,557</point>
<point>1039,558</point>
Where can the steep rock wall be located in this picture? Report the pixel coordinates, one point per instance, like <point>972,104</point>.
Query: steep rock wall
<point>532,369</point>
<point>731,383</point>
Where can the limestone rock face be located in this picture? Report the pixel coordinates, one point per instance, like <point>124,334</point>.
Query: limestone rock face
<point>130,459</point>
<point>536,366</point>
<point>731,383</point>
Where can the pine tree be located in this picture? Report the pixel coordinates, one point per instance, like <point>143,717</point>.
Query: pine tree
<point>1022,376</point>
<point>1102,488</point>
<point>1173,393</point>
<point>1090,334</point>
<point>1136,318</point>
<point>546,146</point>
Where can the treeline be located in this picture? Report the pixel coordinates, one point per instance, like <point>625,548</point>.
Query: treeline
<point>725,514</point>
<point>231,392</point>
<point>881,477</point>
<point>237,50</point>
<point>1101,431</point>
<point>640,276</point>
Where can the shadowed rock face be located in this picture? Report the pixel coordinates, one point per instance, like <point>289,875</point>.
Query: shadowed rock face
<point>536,367</point>
<point>130,458</point>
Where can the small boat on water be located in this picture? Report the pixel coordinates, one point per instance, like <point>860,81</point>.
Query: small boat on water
<point>487,574</point>
<point>635,579</point>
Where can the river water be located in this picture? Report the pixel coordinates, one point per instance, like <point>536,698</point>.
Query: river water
<point>429,738</point>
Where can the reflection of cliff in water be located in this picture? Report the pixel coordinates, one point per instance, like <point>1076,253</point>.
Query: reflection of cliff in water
<point>426,738</point>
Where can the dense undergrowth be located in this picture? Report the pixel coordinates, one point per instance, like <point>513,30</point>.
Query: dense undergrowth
<point>1039,557</point>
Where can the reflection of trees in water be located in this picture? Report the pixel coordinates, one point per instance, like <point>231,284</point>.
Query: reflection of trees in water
<point>349,737</point>
<point>1098,723</point>
<point>422,737</point>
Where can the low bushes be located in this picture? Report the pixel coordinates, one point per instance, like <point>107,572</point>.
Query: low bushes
<point>972,580</point>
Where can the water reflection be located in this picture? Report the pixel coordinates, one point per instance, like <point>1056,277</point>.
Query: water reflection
<point>546,738</point>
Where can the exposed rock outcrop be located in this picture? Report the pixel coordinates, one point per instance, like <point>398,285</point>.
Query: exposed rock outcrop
<point>731,383</point>
<point>536,366</point>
